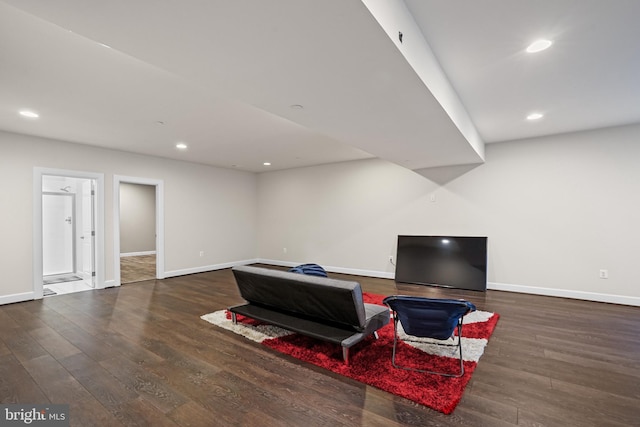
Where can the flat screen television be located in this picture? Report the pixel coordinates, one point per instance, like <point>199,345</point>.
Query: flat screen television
<point>457,262</point>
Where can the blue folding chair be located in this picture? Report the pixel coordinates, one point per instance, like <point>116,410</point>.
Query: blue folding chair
<point>428,318</point>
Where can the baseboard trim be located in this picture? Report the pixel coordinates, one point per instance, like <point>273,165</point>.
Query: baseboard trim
<point>126,254</point>
<point>565,293</point>
<point>110,284</point>
<point>358,272</point>
<point>10,299</point>
<point>206,268</point>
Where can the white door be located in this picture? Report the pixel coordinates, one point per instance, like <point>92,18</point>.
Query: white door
<point>57,234</point>
<point>87,239</point>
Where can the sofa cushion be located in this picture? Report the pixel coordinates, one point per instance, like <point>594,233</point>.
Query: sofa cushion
<point>325,299</point>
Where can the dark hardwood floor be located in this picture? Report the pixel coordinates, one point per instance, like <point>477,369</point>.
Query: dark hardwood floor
<point>140,355</point>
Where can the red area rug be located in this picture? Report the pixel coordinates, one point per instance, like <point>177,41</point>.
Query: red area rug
<point>370,360</point>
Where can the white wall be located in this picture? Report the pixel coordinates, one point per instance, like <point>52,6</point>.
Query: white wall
<point>556,211</point>
<point>206,208</point>
<point>137,218</point>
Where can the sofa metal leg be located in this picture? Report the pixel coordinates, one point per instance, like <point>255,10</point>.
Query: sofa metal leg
<point>234,318</point>
<point>375,334</point>
<point>345,355</point>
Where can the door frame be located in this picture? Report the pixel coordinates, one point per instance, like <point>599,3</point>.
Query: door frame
<point>38,173</point>
<point>159,185</point>
<point>88,224</point>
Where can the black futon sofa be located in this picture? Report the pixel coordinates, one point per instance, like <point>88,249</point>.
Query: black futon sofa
<point>323,308</point>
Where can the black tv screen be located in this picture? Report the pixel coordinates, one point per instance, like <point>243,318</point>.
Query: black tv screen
<point>457,262</point>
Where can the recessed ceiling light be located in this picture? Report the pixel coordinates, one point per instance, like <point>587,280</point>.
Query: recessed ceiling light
<point>29,114</point>
<point>535,116</point>
<point>539,45</point>
<point>181,146</point>
<point>267,164</point>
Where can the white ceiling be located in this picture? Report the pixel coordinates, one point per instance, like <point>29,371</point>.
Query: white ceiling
<point>589,78</point>
<point>222,76</point>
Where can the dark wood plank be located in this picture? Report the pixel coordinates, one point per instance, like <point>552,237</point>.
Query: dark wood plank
<point>23,346</point>
<point>141,413</point>
<point>54,343</point>
<point>64,388</point>
<point>149,386</point>
<point>110,392</point>
<point>16,384</point>
<point>91,413</point>
<point>192,414</point>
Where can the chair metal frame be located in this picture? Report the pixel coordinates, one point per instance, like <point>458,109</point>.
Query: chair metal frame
<point>396,337</point>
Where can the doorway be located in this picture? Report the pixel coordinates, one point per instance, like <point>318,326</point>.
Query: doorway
<point>58,234</point>
<point>68,231</point>
<point>137,232</point>
<point>138,212</point>
<point>68,234</point>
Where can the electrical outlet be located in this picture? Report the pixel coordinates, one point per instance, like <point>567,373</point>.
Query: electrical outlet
<point>604,274</point>
<point>201,253</point>
<point>391,259</point>
<point>284,250</point>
